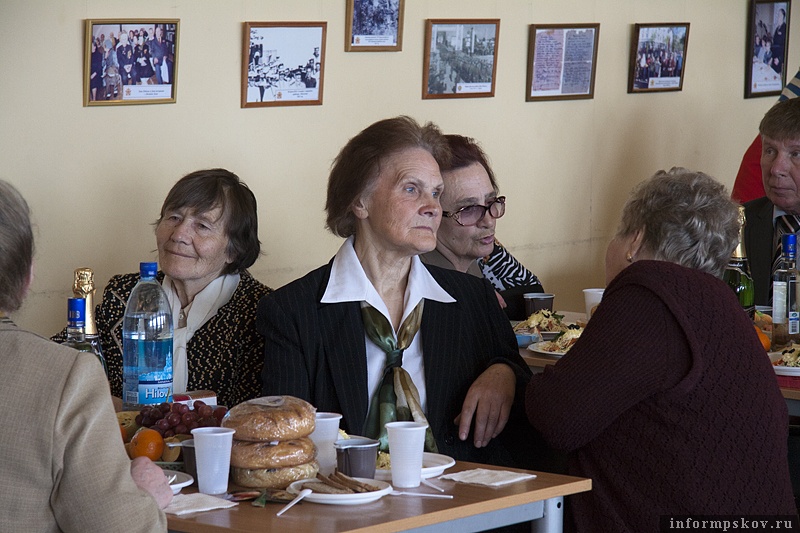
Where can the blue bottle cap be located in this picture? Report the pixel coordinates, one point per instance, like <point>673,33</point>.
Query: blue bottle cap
<point>789,244</point>
<point>148,270</point>
<point>76,312</point>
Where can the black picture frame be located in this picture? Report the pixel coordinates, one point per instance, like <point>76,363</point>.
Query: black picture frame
<point>767,48</point>
<point>652,43</point>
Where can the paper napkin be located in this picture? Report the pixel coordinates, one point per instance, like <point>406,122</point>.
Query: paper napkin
<point>195,503</point>
<point>490,478</point>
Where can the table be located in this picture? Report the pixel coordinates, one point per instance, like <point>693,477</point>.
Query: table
<point>536,362</point>
<point>473,508</point>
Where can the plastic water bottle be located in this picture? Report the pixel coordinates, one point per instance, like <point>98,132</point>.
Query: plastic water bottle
<point>146,343</point>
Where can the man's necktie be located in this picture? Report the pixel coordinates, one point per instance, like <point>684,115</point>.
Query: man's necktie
<point>783,225</point>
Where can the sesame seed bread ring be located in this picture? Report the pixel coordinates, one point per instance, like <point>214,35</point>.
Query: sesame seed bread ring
<point>271,418</point>
<point>247,454</point>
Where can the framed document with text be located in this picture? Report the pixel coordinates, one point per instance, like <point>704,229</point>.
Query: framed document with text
<point>562,61</point>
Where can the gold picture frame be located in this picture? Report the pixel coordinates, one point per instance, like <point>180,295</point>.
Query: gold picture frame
<point>562,61</point>
<point>374,28</point>
<point>130,61</point>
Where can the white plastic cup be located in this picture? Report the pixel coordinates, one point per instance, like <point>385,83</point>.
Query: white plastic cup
<point>212,450</point>
<point>406,444</point>
<point>591,298</point>
<point>326,432</point>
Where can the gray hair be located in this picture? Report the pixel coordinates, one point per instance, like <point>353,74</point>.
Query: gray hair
<point>687,217</point>
<point>16,247</point>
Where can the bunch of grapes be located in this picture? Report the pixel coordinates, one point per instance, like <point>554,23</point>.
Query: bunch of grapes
<point>177,418</point>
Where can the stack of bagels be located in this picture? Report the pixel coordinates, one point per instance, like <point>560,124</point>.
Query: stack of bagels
<point>271,448</point>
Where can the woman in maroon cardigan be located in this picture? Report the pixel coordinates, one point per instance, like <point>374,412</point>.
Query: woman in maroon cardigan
<point>668,401</point>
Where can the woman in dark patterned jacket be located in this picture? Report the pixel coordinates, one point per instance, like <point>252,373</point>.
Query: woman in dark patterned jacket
<point>466,238</point>
<point>207,236</point>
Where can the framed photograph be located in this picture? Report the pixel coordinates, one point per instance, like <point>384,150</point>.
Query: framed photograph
<point>374,26</point>
<point>283,63</point>
<point>460,58</point>
<point>767,50</point>
<point>562,60</point>
<point>130,61</point>
<point>658,57</point>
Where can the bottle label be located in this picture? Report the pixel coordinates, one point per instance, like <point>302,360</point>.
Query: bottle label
<point>154,392</point>
<point>779,302</point>
<point>794,323</point>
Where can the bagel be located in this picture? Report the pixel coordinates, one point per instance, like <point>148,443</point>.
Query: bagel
<point>273,478</point>
<point>271,418</point>
<point>247,454</point>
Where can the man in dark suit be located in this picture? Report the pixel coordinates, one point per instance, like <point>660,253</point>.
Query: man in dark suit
<point>779,211</point>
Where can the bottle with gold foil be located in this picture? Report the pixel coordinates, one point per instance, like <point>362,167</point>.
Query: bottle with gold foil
<point>76,336</point>
<point>737,274</point>
<point>83,287</point>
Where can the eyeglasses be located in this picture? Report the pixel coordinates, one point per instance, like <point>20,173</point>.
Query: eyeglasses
<point>472,214</point>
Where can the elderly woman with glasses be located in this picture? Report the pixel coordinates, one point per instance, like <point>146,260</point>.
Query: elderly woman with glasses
<point>466,238</point>
<point>376,335</point>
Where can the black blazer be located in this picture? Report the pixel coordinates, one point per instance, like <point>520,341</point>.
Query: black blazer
<point>758,242</point>
<point>317,352</point>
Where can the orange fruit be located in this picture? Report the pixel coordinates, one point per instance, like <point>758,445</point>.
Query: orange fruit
<point>123,432</point>
<point>765,342</point>
<point>148,443</point>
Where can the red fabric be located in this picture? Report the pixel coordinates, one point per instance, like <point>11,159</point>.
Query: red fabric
<point>789,382</point>
<point>748,185</point>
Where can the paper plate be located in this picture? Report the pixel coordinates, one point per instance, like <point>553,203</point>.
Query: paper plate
<point>343,499</point>
<point>433,464</point>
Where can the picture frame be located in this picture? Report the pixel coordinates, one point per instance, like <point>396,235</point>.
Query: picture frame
<point>562,61</point>
<point>767,48</point>
<point>651,44</point>
<point>460,58</point>
<point>374,28</point>
<point>122,64</point>
<point>283,63</point>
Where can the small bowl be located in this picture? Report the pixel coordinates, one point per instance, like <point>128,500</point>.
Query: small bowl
<point>525,339</point>
<point>550,335</point>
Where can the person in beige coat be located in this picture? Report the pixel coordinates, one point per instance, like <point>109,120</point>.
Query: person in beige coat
<point>64,466</point>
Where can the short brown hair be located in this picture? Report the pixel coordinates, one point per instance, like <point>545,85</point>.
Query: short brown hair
<point>782,121</point>
<point>358,164</point>
<point>464,151</point>
<point>204,190</point>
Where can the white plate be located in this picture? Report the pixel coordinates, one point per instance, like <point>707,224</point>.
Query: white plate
<point>343,499</point>
<point>537,348</point>
<point>183,480</point>
<point>787,370</point>
<point>783,370</point>
<point>433,464</point>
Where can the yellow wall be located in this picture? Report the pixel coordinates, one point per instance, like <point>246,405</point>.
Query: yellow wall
<point>95,177</point>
